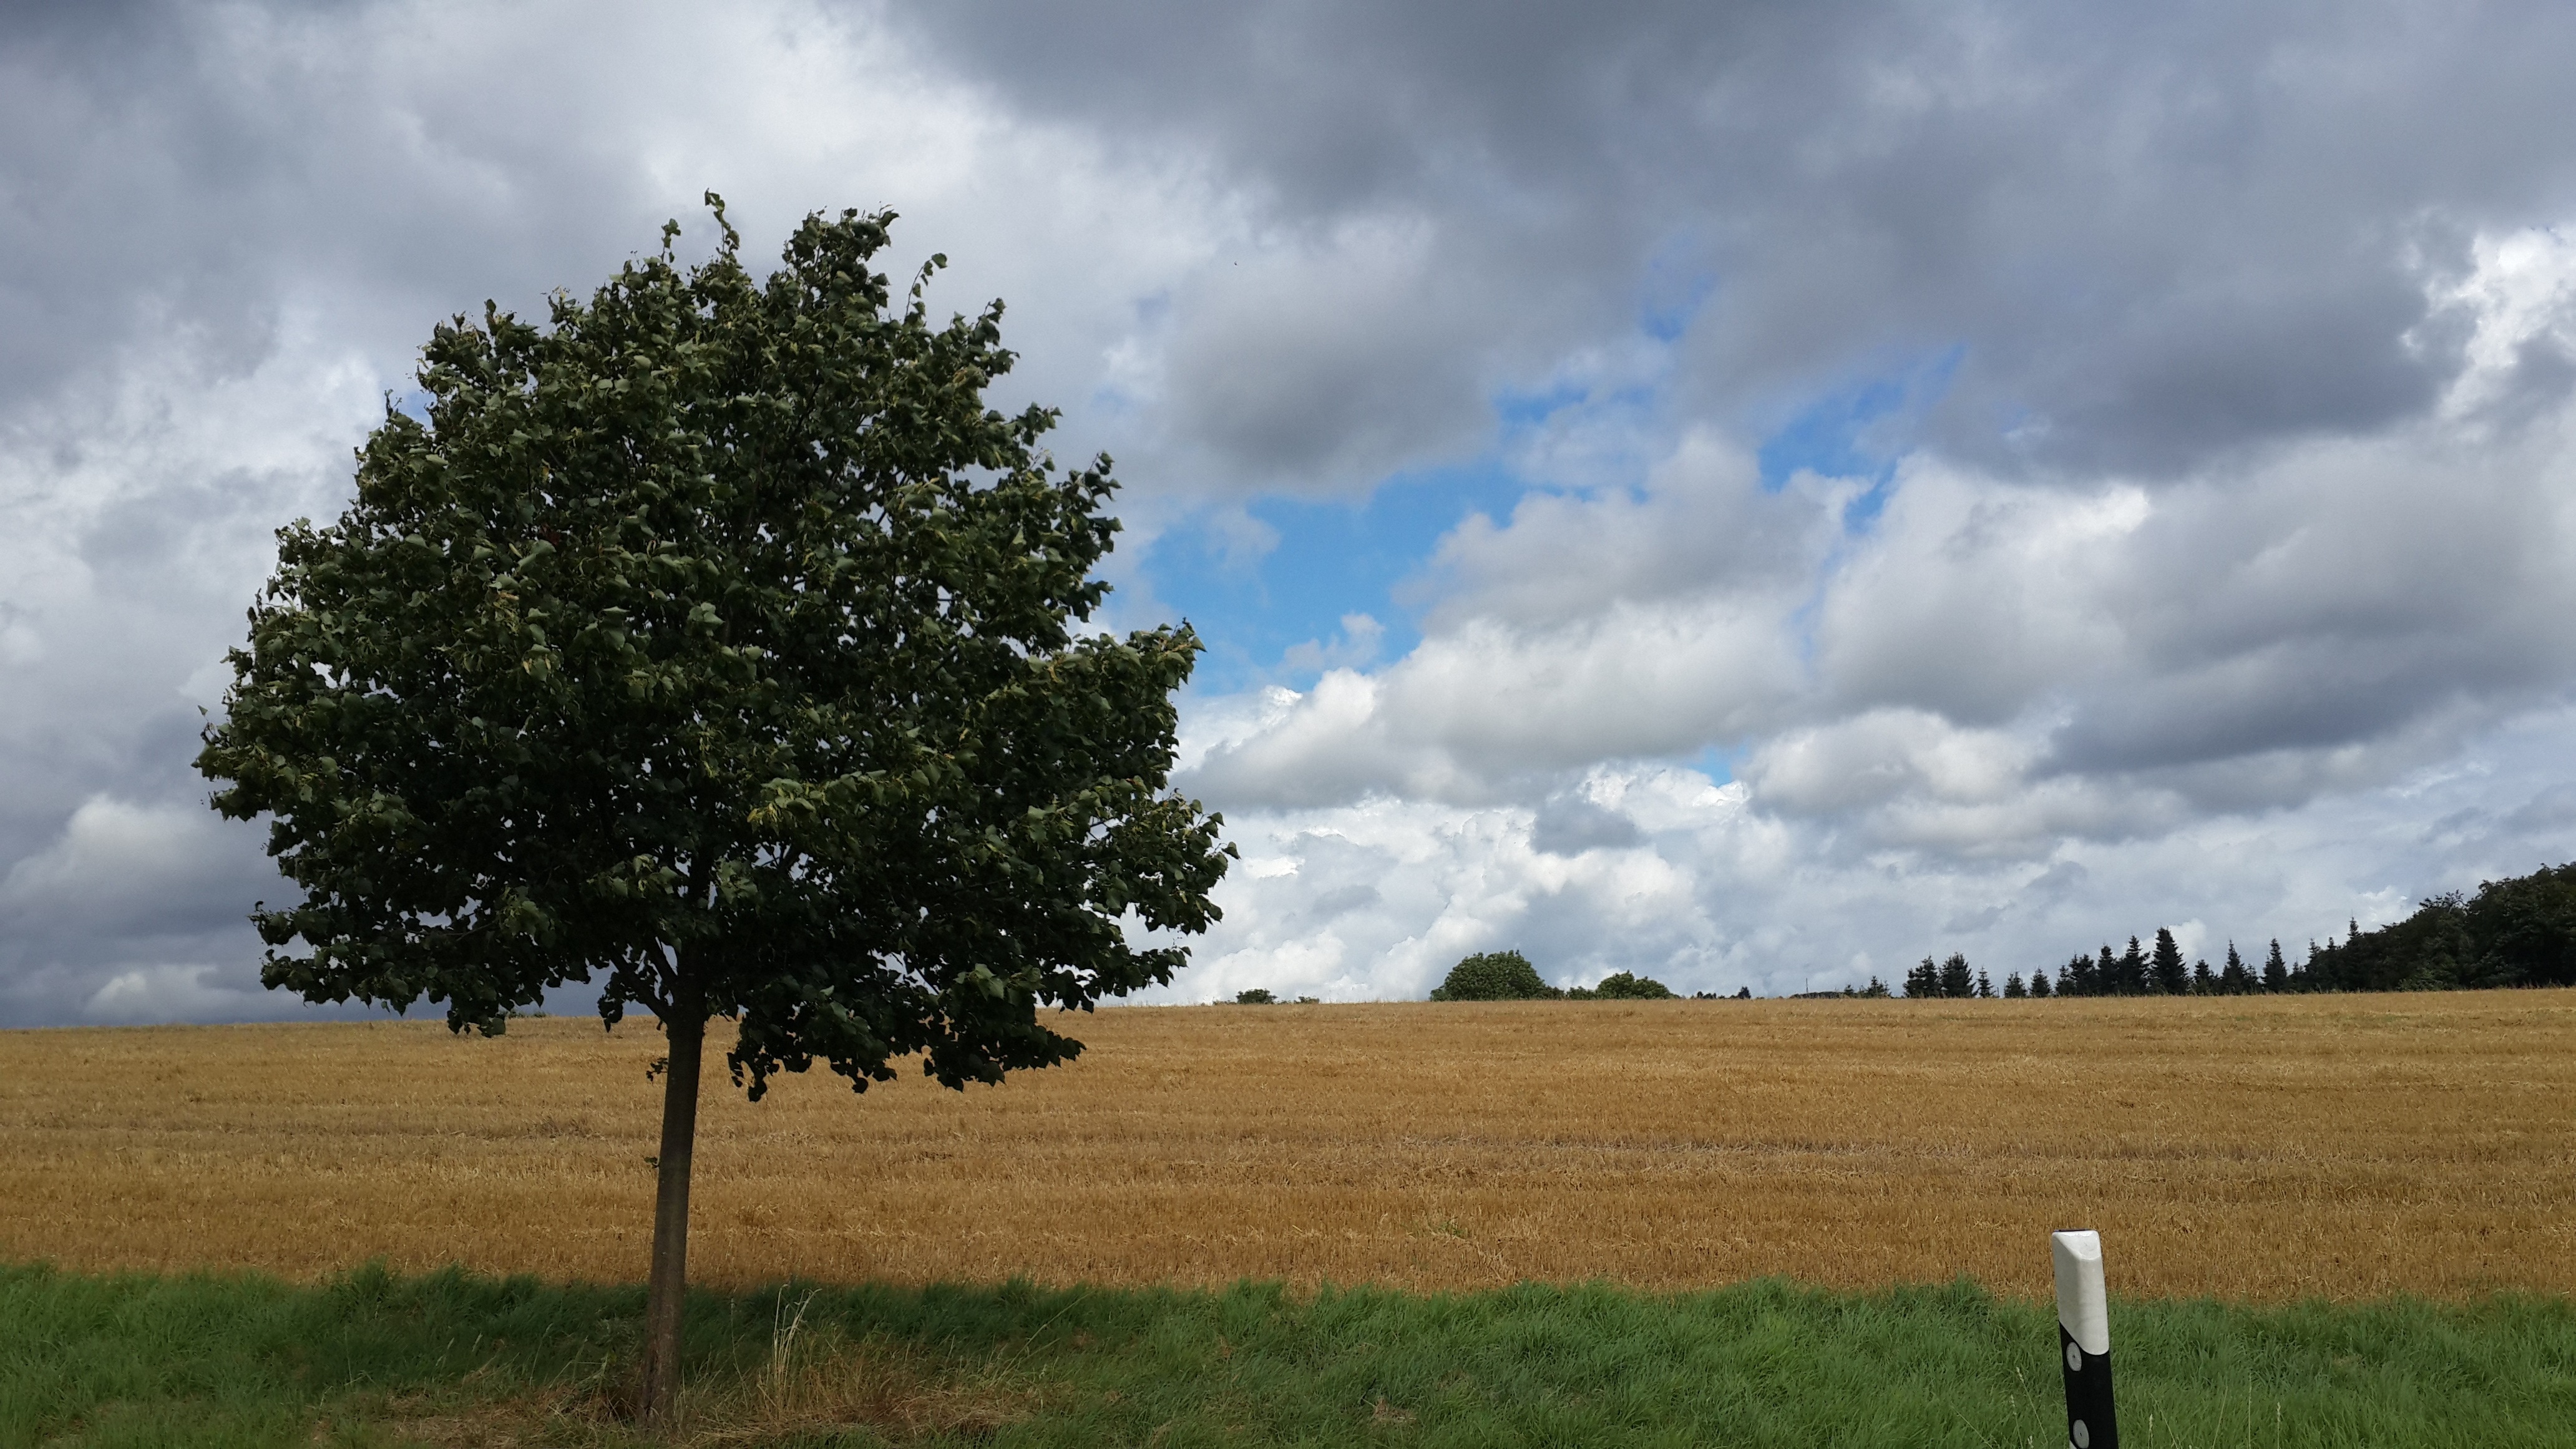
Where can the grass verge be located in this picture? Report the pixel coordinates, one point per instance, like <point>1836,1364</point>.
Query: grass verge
<point>455,1358</point>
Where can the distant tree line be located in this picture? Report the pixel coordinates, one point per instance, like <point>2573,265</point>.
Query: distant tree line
<point>2516,932</point>
<point>2519,932</point>
<point>1509,976</point>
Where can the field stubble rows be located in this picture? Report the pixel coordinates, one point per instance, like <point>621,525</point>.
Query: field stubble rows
<point>2247,1148</point>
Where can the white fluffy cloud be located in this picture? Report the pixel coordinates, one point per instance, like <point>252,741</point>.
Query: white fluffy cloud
<point>1659,870</point>
<point>1990,711</point>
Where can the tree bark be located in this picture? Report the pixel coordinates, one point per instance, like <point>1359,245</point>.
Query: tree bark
<point>685,1033</point>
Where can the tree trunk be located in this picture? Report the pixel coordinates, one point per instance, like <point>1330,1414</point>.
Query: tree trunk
<point>686,1034</point>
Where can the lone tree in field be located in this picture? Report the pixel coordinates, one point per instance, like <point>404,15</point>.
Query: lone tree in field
<point>715,643</point>
<point>1494,976</point>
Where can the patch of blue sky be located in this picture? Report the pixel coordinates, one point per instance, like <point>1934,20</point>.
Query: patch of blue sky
<point>1861,429</point>
<point>1277,616</point>
<point>1520,411</point>
<point>1272,599</point>
<point>1676,285</point>
<point>1330,560</point>
<point>1718,762</point>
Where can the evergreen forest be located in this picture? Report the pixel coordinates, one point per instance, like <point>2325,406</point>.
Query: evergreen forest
<point>2515,932</point>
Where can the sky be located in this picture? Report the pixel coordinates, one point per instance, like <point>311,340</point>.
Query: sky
<point>1753,495</point>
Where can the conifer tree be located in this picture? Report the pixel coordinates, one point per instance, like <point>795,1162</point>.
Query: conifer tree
<point>2013,989</point>
<point>2169,977</point>
<point>2204,982</point>
<point>2234,979</point>
<point>1985,988</point>
<point>2131,971</point>
<point>2276,972</point>
<point>2039,983</point>
<point>1955,979</point>
<point>1923,981</point>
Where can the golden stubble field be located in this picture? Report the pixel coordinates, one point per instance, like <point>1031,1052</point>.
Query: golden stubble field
<point>2245,1148</point>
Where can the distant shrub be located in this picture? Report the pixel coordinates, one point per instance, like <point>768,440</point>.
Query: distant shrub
<point>1495,976</point>
<point>1621,986</point>
<point>1257,996</point>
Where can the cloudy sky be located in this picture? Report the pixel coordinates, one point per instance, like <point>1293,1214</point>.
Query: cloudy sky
<point>1751,494</point>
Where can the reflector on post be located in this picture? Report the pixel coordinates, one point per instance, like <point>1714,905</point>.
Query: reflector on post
<point>2084,1339</point>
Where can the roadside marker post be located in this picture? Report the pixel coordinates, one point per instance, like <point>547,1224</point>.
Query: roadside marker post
<point>2084,1339</point>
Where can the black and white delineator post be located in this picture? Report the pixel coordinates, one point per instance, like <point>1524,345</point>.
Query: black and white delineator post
<point>2084,1339</point>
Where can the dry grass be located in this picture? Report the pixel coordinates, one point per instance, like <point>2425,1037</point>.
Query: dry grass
<point>816,1383</point>
<point>2250,1148</point>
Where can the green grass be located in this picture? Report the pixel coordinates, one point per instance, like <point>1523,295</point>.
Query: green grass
<point>456,1358</point>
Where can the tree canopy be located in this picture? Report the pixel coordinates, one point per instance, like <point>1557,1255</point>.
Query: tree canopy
<point>2515,932</point>
<point>714,642</point>
<point>1494,976</point>
<point>1509,976</point>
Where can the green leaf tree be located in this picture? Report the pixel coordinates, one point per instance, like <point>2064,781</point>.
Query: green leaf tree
<point>1494,976</point>
<point>715,643</point>
<point>1625,986</point>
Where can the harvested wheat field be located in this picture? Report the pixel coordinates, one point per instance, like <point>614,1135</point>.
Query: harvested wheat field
<point>2248,1148</point>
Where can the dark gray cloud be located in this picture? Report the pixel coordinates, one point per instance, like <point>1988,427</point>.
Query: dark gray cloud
<point>1569,824</point>
<point>2155,233</point>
